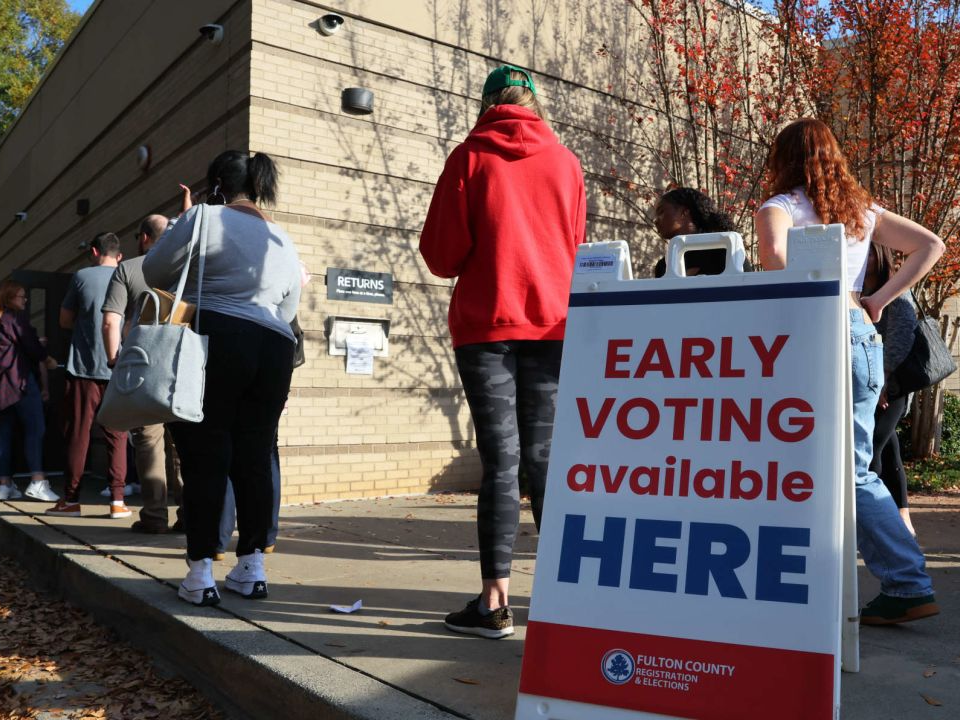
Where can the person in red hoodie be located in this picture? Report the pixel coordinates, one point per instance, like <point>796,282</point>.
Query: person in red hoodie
<point>506,217</point>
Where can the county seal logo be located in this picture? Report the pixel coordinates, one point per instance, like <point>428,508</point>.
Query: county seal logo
<point>617,666</point>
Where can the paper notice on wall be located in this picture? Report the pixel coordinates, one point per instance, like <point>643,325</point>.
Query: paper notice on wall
<point>359,356</point>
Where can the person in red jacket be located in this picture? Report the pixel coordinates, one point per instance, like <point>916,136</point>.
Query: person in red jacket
<point>506,217</point>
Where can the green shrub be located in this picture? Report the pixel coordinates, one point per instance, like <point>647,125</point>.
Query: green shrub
<point>943,471</point>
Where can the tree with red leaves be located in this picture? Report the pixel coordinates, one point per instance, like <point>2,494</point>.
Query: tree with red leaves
<point>885,75</point>
<point>704,95</point>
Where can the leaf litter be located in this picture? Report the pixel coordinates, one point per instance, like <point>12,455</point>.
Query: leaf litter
<point>56,662</point>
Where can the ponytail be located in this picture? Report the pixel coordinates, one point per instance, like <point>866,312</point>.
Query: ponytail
<point>262,179</point>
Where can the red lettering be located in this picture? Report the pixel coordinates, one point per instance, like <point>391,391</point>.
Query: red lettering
<point>803,424</point>
<point>592,428</point>
<point>623,418</point>
<point>612,484</point>
<point>730,412</point>
<point>655,359</point>
<point>726,360</point>
<point>614,358</point>
<point>585,485</point>
<point>679,406</point>
<point>716,487</point>
<point>772,481</point>
<point>768,356</point>
<point>797,486</point>
<point>706,420</point>
<point>737,476</point>
<point>688,358</point>
<point>652,486</point>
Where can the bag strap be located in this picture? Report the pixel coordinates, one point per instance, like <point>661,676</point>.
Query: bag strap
<point>204,232</point>
<point>181,284</point>
<point>916,303</point>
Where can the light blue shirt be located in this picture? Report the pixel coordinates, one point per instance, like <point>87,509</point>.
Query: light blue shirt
<point>252,270</point>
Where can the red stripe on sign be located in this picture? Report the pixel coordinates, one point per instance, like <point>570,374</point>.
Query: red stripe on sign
<point>676,677</point>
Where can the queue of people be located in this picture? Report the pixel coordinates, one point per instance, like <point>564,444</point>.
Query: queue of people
<point>507,215</point>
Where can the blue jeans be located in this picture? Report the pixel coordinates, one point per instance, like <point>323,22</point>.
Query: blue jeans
<point>228,518</point>
<point>887,547</point>
<point>30,411</point>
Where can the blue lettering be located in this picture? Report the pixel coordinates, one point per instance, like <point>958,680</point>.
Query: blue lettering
<point>702,563</point>
<point>609,550</point>
<point>646,553</point>
<point>772,563</point>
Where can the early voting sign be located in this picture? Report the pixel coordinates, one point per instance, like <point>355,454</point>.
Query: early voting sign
<point>689,562</point>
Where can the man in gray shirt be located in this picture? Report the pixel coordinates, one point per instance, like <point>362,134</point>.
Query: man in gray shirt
<point>155,457</point>
<point>87,377</point>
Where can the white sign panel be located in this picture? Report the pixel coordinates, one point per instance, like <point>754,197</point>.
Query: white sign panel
<point>689,561</point>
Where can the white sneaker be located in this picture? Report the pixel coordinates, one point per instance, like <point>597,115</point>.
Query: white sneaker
<point>40,490</point>
<point>9,492</point>
<point>248,577</point>
<point>127,490</point>
<point>199,587</point>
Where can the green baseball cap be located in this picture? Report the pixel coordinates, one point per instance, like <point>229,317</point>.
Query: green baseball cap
<point>500,78</point>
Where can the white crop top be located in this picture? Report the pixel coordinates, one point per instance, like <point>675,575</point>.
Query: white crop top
<point>797,205</point>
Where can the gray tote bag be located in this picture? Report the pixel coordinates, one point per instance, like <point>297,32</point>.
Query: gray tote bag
<point>161,370</point>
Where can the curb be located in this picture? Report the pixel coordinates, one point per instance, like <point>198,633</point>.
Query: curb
<point>248,671</point>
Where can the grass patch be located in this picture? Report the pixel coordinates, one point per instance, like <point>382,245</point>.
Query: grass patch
<point>934,474</point>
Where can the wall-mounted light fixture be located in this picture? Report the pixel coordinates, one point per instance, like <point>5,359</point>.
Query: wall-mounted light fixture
<point>143,156</point>
<point>21,216</point>
<point>212,33</point>
<point>356,101</point>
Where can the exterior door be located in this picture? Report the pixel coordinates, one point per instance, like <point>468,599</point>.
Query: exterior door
<point>45,293</point>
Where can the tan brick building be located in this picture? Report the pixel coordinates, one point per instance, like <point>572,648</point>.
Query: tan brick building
<point>354,188</point>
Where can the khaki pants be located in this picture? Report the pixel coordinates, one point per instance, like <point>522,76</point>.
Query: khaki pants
<point>159,470</point>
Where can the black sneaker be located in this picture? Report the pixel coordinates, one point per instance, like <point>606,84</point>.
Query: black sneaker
<point>889,610</point>
<point>149,528</point>
<point>497,624</point>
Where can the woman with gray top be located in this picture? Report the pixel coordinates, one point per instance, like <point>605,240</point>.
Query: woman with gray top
<point>250,293</point>
<point>896,327</point>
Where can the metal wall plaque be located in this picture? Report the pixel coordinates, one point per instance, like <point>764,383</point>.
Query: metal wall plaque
<point>359,286</point>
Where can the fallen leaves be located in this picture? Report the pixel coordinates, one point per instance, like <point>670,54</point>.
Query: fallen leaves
<point>467,681</point>
<point>931,701</point>
<point>55,661</point>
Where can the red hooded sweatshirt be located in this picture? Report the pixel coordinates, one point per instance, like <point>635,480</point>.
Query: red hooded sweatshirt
<point>506,217</point>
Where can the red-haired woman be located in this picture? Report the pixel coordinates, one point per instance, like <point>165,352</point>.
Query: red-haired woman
<point>810,183</point>
<point>21,355</point>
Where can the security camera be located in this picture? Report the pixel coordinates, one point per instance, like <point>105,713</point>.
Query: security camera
<point>21,217</point>
<point>213,33</point>
<point>330,24</point>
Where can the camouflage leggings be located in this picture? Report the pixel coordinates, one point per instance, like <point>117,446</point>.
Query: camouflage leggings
<point>511,388</point>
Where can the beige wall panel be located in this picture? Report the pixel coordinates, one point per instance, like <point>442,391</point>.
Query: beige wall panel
<point>313,478</point>
<point>420,99</point>
<point>377,417</point>
<point>90,86</point>
<point>556,37</point>
<point>186,137</point>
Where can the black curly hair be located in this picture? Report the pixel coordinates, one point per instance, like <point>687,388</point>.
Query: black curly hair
<point>703,211</point>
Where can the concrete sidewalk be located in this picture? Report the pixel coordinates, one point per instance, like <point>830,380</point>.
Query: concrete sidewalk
<point>410,560</point>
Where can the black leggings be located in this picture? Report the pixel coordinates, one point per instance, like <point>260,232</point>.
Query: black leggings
<point>886,450</point>
<point>248,378</point>
<point>511,388</point>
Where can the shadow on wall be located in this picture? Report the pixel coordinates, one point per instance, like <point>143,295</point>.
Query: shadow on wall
<point>398,190</point>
